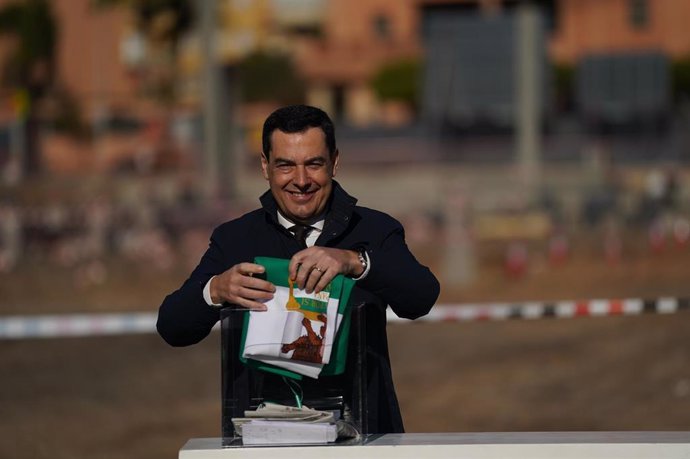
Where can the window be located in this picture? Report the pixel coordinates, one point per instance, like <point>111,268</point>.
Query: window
<point>639,13</point>
<point>382,27</point>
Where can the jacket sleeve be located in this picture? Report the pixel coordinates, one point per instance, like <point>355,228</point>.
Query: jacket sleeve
<point>409,287</point>
<point>184,318</point>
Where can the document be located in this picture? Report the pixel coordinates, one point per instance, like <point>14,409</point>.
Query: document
<point>273,424</point>
<point>259,432</point>
<point>299,332</point>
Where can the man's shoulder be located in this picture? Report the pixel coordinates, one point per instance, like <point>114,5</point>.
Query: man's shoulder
<point>368,215</point>
<point>242,223</point>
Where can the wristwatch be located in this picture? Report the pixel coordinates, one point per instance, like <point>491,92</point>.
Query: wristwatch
<point>362,259</point>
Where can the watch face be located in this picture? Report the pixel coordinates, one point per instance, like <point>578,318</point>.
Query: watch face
<point>362,258</point>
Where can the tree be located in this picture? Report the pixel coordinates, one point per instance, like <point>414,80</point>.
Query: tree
<point>163,23</point>
<point>680,73</point>
<point>259,73</point>
<point>30,67</point>
<point>398,81</point>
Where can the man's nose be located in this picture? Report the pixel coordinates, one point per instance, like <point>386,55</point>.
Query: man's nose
<point>301,177</point>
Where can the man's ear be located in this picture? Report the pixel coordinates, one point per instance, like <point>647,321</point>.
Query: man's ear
<point>264,166</point>
<point>336,157</point>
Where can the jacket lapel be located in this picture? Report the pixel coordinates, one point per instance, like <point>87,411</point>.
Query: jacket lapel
<point>342,207</point>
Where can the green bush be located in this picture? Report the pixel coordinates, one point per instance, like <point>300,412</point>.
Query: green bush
<point>564,85</point>
<point>398,81</point>
<point>680,74</point>
<point>269,77</point>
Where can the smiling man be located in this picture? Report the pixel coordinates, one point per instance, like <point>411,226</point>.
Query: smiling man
<point>308,218</point>
<point>300,173</point>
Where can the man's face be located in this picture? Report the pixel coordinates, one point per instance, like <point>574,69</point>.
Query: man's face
<point>300,173</point>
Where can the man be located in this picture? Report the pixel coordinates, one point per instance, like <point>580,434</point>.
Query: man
<point>299,161</point>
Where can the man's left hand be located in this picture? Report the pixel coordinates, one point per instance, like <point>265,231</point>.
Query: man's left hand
<point>313,268</point>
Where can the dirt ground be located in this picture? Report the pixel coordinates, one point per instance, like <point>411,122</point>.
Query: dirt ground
<point>135,397</point>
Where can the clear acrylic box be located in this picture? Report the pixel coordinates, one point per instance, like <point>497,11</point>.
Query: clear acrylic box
<point>245,388</point>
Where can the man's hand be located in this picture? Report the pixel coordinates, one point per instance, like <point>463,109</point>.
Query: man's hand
<point>315,267</point>
<point>237,286</point>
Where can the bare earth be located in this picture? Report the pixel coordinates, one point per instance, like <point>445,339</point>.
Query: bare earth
<point>135,397</point>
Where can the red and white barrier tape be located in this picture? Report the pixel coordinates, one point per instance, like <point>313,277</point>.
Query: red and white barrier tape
<point>54,326</point>
<point>543,310</point>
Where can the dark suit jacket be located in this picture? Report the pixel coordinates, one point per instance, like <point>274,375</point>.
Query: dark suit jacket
<point>395,279</point>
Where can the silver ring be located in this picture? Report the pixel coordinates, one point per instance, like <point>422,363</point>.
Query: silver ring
<point>318,269</point>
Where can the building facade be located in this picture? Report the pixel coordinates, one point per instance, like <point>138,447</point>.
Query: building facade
<point>606,26</point>
<point>358,38</point>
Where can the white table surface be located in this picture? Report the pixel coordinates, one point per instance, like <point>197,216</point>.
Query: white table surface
<point>493,445</point>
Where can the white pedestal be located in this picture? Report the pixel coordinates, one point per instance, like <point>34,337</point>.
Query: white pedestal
<point>513,445</point>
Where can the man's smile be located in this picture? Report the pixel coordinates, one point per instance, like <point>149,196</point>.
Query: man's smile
<point>301,195</point>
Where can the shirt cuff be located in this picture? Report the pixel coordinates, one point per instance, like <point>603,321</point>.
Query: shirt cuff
<point>366,271</point>
<point>207,294</point>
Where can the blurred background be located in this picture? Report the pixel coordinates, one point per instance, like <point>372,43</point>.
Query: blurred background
<point>534,151</point>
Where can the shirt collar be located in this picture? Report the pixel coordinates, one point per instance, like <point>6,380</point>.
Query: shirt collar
<point>287,224</point>
<point>341,209</point>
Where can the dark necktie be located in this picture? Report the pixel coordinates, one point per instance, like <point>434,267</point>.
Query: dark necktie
<point>301,232</point>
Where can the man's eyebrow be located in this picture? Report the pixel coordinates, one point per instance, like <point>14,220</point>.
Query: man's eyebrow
<point>313,160</point>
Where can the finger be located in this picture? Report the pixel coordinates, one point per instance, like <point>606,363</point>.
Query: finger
<point>325,279</point>
<point>250,298</point>
<point>249,269</point>
<point>252,305</point>
<point>230,285</point>
<point>257,284</point>
<point>295,263</point>
<point>252,294</point>
<point>304,272</point>
<point>296,267</point>
<point>313,279</point>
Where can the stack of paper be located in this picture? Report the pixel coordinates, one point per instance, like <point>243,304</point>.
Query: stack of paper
<point>279,424</point>
<point>287,433</point>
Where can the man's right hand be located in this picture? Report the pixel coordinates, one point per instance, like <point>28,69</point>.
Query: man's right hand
<point>238,286</point>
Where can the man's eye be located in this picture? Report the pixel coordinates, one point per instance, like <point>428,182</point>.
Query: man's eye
<point>284,167</point>
<point>315,166</point>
